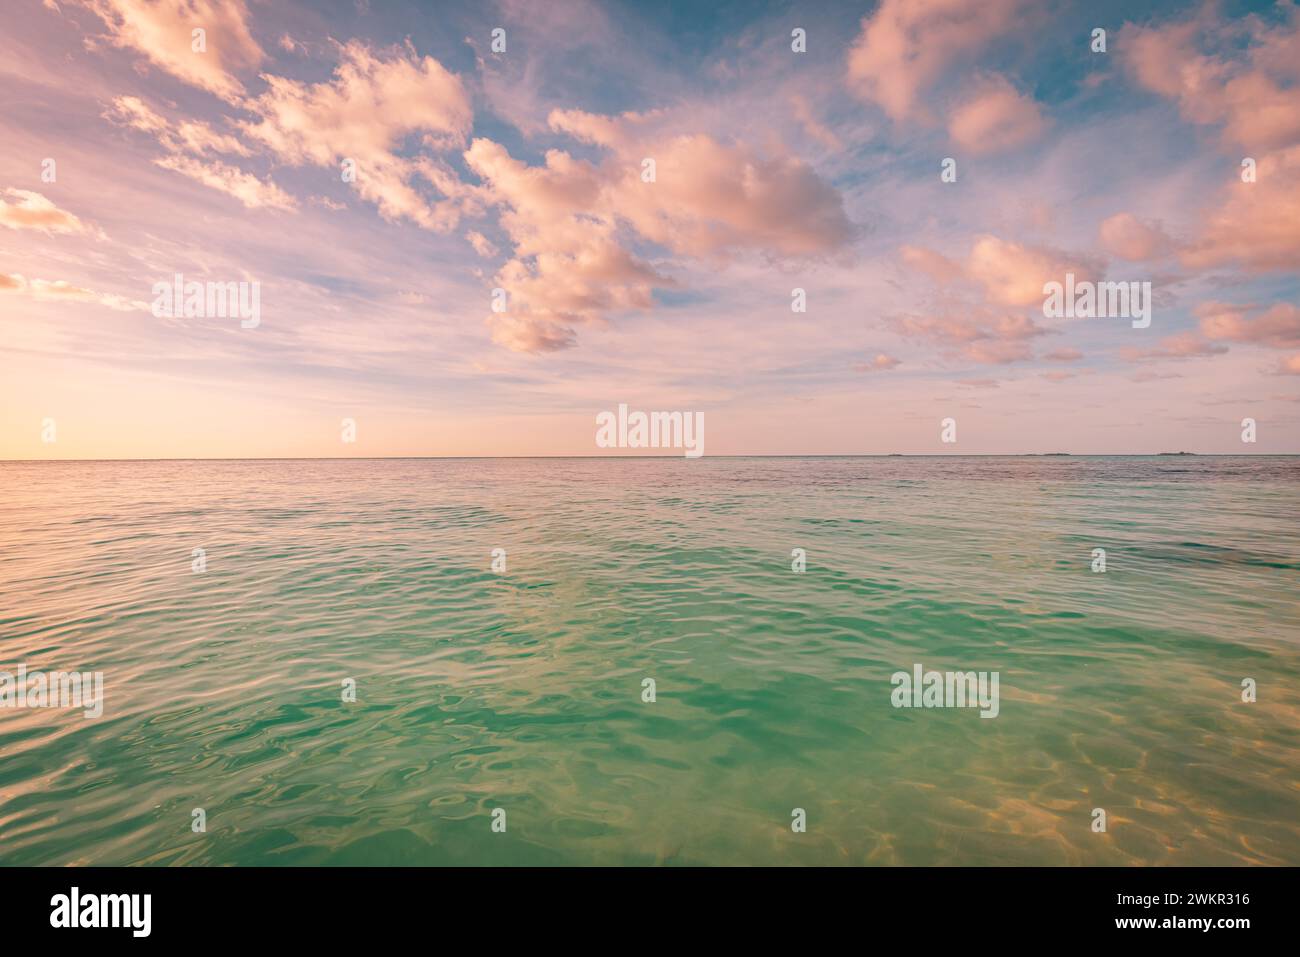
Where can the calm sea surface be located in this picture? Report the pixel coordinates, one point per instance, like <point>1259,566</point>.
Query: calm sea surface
<point>523,690</point>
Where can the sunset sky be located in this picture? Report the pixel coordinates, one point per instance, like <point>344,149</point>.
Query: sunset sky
<point>522,170</point>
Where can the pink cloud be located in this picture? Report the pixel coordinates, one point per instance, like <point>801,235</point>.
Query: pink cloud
<point>1184,345</point>
<point>362,114</point>
<point>571,221</point>
<point>1277,327</point>
<point>988,339</point>
<point>192,136</point>
<point>531,333</point>
<point>568,264</point>
<point>1011,273</point>
<point>482,245</point>
<point>996,118</point>
<point>363,110</point>
<point>906,46</point>
<point>946,330</point>
<point>1064,355</point>
<point>997,352</point>
<point>1257,224</point>
<point>34,211</point>
<point>254,193</point>
<point>1127,237</point>
<point>880,363</point>
<point>935,265</point>
<point>615,132</point>
<point>814,127</point>
<point>709,197</point>
<point>162,30</point>
<point>186,142</point>
<point>1250,95</point>
<point>59,290</point>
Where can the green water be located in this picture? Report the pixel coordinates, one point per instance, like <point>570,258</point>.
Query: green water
<point>523,690</point>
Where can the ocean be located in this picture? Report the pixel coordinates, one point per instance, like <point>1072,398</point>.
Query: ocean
<point>501,715</point>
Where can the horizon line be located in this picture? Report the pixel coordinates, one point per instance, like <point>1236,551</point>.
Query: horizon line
<point>769,455</point>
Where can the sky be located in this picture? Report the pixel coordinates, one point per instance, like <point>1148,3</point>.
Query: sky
<point>469,247</point>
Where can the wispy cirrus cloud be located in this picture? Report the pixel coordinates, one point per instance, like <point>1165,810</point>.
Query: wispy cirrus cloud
<point>880,363</point>
<point>59,290</point>
<point>192,136</point>
<point>252,192</point>
<point>186,144</point>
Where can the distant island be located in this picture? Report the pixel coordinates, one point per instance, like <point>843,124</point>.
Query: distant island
<point>1177,453</point>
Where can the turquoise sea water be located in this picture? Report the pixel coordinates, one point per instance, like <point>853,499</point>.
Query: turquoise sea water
<point>523,690</point>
